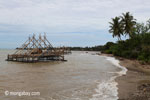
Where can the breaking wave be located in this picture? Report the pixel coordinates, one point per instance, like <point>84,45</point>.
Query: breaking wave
<point>107,90</point>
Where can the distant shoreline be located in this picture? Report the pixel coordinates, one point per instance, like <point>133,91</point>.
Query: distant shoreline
<point>135,85</point>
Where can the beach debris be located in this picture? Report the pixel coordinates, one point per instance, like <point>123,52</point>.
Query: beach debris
<point>142,92</point>
<point>145,87</point>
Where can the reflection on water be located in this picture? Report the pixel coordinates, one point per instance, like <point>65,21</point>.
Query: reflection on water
<point>75,79</point>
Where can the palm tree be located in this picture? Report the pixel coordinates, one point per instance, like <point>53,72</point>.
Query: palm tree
<point>129,24</point>
<point>116,27</point>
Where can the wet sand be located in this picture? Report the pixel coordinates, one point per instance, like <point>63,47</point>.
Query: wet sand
<point>135,85</point>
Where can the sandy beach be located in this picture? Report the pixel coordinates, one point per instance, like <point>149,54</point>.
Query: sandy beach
<point>135,85</point>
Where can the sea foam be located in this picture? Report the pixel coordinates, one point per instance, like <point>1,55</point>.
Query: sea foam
<point>107,90</point>
<point>116,63</point>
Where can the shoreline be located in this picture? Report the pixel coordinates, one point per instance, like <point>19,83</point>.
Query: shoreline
<point>135,85</point>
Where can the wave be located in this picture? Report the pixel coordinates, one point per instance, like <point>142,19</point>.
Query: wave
<point>116,63</point>
<point>107,90</point>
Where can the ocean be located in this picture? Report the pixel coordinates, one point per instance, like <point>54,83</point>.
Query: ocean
<point>85,76</point>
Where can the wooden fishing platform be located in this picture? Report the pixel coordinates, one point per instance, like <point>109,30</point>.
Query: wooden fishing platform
<point>66,50</point>
<point>34,50</point>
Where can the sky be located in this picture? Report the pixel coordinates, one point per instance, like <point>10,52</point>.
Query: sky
<point>65,22</point>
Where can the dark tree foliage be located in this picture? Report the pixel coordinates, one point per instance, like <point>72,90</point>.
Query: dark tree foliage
<point>116,27</point>
<point>138,44</point>
<point>123,25</point>
<point>95,48</point>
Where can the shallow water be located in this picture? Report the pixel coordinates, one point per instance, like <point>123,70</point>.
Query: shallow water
<point>85,76</point>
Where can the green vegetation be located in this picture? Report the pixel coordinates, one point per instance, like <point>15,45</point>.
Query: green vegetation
<point>95,48</point>
<point>138,44</point>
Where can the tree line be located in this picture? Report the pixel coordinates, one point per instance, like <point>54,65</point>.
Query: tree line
<point>94,48</point>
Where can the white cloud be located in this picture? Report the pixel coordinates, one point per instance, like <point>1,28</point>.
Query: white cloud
<point>69,13</point>
<point>62,16</point>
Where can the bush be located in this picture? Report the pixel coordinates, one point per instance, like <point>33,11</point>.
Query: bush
<point>141,57</point>
<point>126,54</point>
<point>137,47</point>
<point>108,51</point>
<point>134,54</point>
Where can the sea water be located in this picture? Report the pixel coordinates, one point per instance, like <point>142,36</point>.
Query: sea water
<point>85,76</point>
